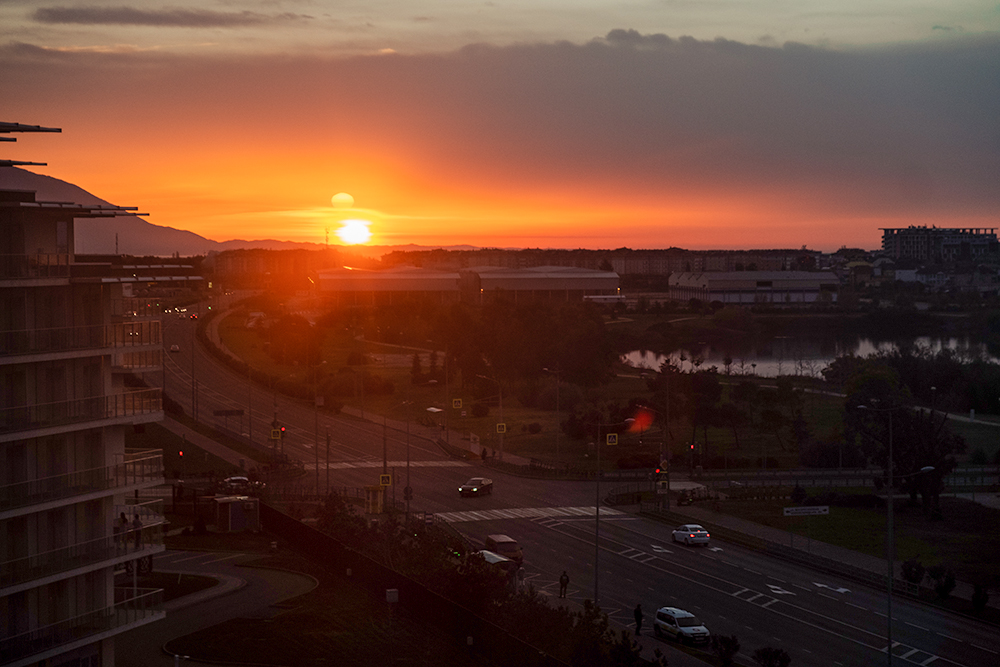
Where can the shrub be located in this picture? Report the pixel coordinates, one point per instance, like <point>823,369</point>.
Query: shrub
<point>798,495</point>
<point>726,648</point>
<point>769,656</point>
<point>944,580</point>
<point>980,596</point>
<point>913,571</point>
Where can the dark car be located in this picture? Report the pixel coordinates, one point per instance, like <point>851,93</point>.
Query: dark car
<point>476,486</point>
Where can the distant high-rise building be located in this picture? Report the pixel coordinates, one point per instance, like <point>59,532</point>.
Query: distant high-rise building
<point>72,350</point>
<point>939,244</point>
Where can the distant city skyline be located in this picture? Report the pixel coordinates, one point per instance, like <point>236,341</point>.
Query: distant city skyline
<point>549,124</point>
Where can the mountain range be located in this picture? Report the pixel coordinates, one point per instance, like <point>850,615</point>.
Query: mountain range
<point>131,235</point>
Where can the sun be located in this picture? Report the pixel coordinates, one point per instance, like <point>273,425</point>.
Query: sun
<point>354,232</point>
<point>342,200</point>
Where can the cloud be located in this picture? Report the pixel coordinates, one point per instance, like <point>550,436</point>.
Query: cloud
<point>166,18</point>
<point>721,129</point>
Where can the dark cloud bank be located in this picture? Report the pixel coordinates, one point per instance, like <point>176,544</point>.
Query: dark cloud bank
<point>163,18</point>
<point>914,127</point>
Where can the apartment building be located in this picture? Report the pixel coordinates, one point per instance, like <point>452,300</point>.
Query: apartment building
<point>72,354</point>
<point>939,244</point>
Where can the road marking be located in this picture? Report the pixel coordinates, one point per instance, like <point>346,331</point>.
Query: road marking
<point>768,604</point>
<point>219,560</point>
<point>715,548</point>
<point>856,606</point>
<point>835,590</point>
<point>929,660</point>
<point>375,463</point>
<point>759,595</point>
<point>754,571</point>
<point>778,590</point>
<point>954,639</point>
<point>983,648</point>
<point>659,549</point>
<point>525,513</point>
<point>912,625</point>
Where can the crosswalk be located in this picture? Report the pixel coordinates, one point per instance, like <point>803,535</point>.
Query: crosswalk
<point>524,513</point>
<point>377,463</point>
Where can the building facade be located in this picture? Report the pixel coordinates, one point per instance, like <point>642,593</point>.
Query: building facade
<point>72,351</point>
<point>939,244</point>
<point>777,288</point>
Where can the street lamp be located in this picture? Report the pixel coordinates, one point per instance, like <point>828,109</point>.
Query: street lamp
<point>500,392</point>
<point>558,425</point>
<point>890,562</point>
<point>612,439</point>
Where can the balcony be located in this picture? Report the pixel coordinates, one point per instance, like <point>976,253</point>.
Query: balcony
<point>124,335</point>
<point>118,547</point>
<point>140,468</point>
<point>132,607</point>
<point>79,411</point>
<point>39,265</point>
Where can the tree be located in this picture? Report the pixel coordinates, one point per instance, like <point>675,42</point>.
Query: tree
<point>726,648</point>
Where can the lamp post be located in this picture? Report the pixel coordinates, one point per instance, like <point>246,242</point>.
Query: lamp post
<point>890,561</point>
<point>558,425</point>
<point>612,439</point>
<point>500,392</point>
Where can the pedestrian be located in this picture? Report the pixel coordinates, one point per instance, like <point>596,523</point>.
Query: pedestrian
<point>483,455</point>
<point>121,531</point>
<point>638,619</point>
<point>137,530</point>
<point>563,583</point>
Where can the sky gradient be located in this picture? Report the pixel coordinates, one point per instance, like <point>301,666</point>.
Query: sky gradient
<point>547,124</point>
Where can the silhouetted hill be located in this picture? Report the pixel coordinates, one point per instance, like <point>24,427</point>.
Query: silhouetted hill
<point>137,237</point>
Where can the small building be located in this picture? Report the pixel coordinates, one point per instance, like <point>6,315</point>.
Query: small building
<point>539,283</point>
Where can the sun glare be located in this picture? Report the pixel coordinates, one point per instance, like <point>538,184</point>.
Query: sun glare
<point>354,232</point>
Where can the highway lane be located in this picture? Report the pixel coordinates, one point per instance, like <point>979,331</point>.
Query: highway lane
<point>819,619</point>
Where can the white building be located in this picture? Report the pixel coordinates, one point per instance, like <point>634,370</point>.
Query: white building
<point>68,340</point>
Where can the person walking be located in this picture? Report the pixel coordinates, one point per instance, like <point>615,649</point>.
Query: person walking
<point>638,619</point>
<point>563,584</point>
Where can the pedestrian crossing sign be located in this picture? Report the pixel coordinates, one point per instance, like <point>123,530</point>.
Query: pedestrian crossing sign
<point>456,403</point>
<point>385,480</point>
<point>501,428</point>
<point>612,439</point>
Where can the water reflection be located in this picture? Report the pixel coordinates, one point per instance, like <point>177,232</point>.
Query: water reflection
<point>786,355</point>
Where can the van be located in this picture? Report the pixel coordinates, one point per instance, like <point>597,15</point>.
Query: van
<point>508,566</point>
<point>505,546</point>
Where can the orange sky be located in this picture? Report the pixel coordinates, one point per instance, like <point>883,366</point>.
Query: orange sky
<point>602,145</point>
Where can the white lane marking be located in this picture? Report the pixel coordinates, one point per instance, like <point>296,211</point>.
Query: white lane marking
<point>856,606</point>
<point>715,548</point>
<point>778,590</point>
<point>219,560</point>
<point>983,648</point>
<point>759,595</point>
<point>911,624</point>
<point>954,639</point>
<point>375,463</point>
<point>756,572</point>
<point>909,653</point>
<point>525,513</point>
<point>929,660</point>
<point>835,590</point>
<point>657,548</point>
<point>768,604</point>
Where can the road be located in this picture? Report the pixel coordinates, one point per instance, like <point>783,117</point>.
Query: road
<point>818,619</point>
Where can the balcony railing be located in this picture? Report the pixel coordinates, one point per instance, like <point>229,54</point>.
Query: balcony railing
<point>128,543</point>
<point>143,469</point>
<point>60,339</point>
<point>39,265</point>
<point>131,606</point>
<point>29,417</point>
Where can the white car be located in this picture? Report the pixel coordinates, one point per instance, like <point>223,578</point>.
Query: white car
<point>679,624</point>
<point>691,533</point>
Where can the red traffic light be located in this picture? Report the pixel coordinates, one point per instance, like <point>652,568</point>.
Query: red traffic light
<point>180,453</point>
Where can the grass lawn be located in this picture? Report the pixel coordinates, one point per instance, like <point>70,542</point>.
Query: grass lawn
<point>966,541</point>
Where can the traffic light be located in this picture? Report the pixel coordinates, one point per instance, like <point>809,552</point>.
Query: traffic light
<point>281,430</point>
<point>180,453</point>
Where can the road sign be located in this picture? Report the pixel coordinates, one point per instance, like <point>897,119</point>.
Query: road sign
<point>661,487</point>
<point>612,439</point>
<point>807,511</point>
<point>664,465</point>
<point>385,480</point>
<point>456,403</point>
<point>275,434</point>
<point>501,428</point>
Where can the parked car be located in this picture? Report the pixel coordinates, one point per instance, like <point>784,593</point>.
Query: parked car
<point>508,566</point>
<point>476,486</point>
<point>194,316</point>
<point>691,533</point>
<point>681,625</point>
<point>506,547</point>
